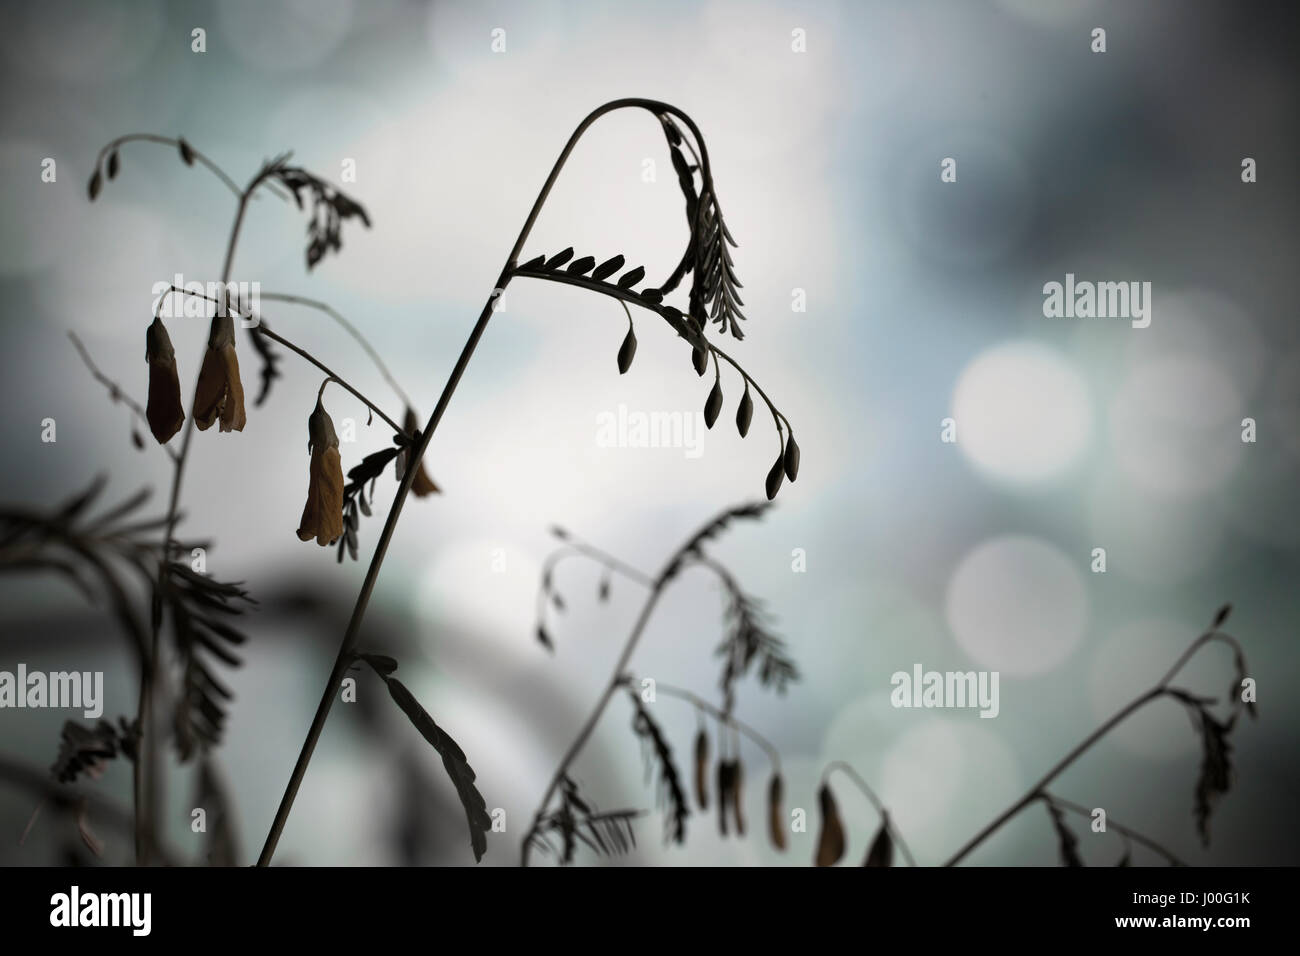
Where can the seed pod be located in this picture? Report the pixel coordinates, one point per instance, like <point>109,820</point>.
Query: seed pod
<point>713,405</point>
<point>791,458</point>
<point>112,165</point>
<point>626,352</point>
<point>724,794</point>
<point>164,410</point>
<point>737,793</point>
<point>744,413</point>
<point>96,181</point>
<point>700,359</point>
<point>830,842</point>
<point>702,769</point>
<point>187,153</point>
<point>774,478</point>
<point>882,847</point>
<point>775,814</point>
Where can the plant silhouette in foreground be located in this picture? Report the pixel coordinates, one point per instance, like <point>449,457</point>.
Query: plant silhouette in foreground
<point>1214,781</point>
<point>749,646</point>
<point>197,609</point>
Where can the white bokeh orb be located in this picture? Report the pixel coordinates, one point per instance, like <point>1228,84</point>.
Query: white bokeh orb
<point>1017,605</point>
<point>1023,413</point>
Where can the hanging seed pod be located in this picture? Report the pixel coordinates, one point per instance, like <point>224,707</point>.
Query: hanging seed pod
<point>112,165</point>
<point>187,152</point>
<point>744,412</point>
<point>322,516</point>
<point>626,352</point>
<point>882,847</point>
<point>96,181</point>
<point>775,815</point>
<point>737,794</point>
<point>702,770</point>
<point>164,410</point>
<point>791,458</point>
<point>830,843</point>
<point>724,794</point>
<point>713,405</point>
<point>700,359</point>
<point>774,478</point>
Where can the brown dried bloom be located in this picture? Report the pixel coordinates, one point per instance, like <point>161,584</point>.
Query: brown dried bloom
<point>164,410</point>
<point>423,485</point>
<point>219,392</point>
<point>322,516</point>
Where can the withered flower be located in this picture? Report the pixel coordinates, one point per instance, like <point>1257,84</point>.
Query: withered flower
<point>322,517</point>
<point>165,413</point>
<point>423,485</point>
<point>220,392</point>
<point>830,844</point>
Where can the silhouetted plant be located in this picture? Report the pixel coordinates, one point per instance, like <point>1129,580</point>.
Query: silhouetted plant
<point>748,641</point>
<point>199,608</point>
<point>1214,781</point>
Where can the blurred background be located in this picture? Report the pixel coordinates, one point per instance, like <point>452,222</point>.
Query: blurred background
<point>826,124</point>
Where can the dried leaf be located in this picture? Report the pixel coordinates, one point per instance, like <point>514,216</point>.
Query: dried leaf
<point>1069,843</point>
<point>559,259</point>
<point>581,266</point>
<point>607,268</point>
<point>631,277</point>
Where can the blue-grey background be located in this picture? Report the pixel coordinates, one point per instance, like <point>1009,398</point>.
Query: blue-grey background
<point>923,302</point>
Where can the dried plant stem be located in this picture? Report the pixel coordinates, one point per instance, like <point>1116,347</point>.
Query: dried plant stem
<point>1037,791</point>
<point>351,329</point>
<point>724,719</point>
<point>616,683</point>
<point>347,647</point>
<point>1119,828</point>
<point>861,784</point>
<point>115,391</point>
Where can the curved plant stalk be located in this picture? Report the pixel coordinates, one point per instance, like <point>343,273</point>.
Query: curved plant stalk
<point>886,819</point>
<point>348,645</point>
<point>1127,832</point>
<point>689,553</point>
<point>1161,689</point>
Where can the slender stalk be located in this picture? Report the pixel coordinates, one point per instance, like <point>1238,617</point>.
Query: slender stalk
<point>848,771</point>
<point>351,329</point>
<point>1161,689</point>
<point>346,648</point>
<point>725,719</point>
<point>115,391</point>
<point>147,781</point>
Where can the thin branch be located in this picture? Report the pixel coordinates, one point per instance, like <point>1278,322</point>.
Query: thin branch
<point>1119,828</point>
<point>1161,689</point>
<point>723,719</point>
<point>115,391</point>
<point>350,329</point>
